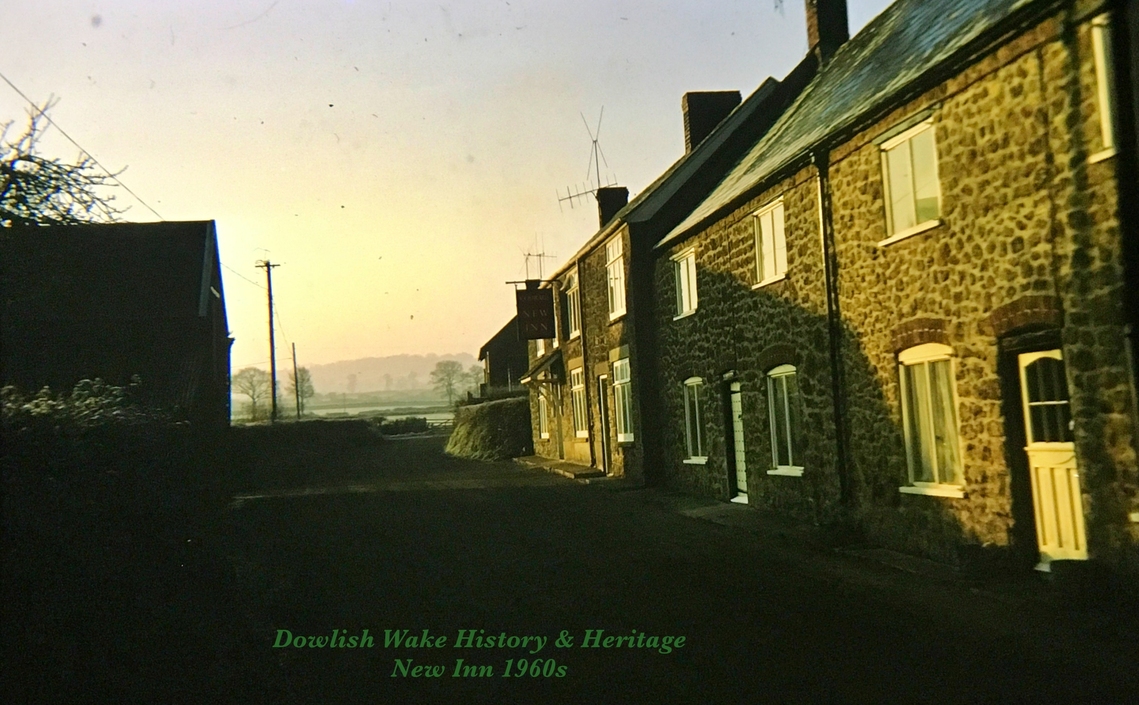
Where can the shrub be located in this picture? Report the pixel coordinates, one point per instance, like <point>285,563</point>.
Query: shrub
<point>411,424</point>
<point>494,430</point>
<point>90,403</point>
<point>95,446</point>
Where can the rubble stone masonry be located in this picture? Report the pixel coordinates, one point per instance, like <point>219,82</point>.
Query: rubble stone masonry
<point>1028,240</point>
<point>743,330</point>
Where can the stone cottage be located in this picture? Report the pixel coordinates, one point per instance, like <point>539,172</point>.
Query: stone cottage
<point>587,399</point>
<point>904,307</point>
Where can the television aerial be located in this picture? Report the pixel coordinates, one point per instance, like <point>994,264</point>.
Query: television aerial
<point>574,195</point>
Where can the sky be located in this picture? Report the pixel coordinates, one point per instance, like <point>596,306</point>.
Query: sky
<point>397,159</point>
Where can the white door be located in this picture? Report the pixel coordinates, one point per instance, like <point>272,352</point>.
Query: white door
<point>1056,497</point>
<point>738,439</point>
<point>603,417</point>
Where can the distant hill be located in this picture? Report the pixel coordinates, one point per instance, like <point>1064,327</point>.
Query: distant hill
<point>376,374</point>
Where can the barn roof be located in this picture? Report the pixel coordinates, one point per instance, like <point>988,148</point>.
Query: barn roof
<point>117,271</point>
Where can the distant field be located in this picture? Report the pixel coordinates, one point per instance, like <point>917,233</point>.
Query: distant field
<point>436,413</point>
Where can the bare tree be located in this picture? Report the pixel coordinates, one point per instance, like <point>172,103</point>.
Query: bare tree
<point>306,389</point>
<point>446,377</point>
<point>38,190</point>
<point>253,383</point>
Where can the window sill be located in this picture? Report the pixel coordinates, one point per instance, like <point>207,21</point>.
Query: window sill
<point>544,437</point>
<point>951,491</point>
<point>696,461</point>
<point>625,439</point>
<point>574,336</point>
<point>1101,156</point>
<point>686,314</point>
<point>614,317</point>
<point>739,499</point>
<point>771,280</point>
<point>910,232</point>
<point>582,436</point>
<point>786,472</point>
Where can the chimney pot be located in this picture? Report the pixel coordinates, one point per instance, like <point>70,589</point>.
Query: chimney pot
<point>703,111</point>
<point>611,199</point>
<point>827,27</point>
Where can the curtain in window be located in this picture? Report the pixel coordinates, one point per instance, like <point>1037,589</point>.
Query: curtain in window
<point>931,422</point>
<point>692,418</point>
<point>919,445</point>
<point>925,175</point>
<point>944,417</point>
<point>901,187</point>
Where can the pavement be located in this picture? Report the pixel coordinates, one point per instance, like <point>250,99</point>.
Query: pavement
<point>1053,591</point>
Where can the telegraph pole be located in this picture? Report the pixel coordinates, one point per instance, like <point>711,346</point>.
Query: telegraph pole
<point>268,267</point>
<point>296,382</point>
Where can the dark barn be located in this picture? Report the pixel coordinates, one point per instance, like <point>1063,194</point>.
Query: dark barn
<point>504,359</point>
<point>117,300</point>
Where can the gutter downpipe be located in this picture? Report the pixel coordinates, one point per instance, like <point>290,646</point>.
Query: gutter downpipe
<point>820,159</point>
<point>1125,44</point>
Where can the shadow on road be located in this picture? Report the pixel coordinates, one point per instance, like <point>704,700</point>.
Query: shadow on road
<point>396,538</point>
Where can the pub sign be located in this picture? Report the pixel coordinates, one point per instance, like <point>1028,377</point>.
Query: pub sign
<point>535,312</point>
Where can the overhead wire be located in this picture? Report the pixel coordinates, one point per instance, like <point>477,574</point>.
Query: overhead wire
<point>80,147</point>
<point>242,276</point>
<point>107,171</point>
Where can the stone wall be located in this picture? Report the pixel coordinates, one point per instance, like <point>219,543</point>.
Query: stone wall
<point>602,336</point>
<point>1028,242</point>
<point>744,330</point>
<point>1025,219</point>
<point>562,442</point>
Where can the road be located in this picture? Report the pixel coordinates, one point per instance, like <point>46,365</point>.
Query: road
<point>409,539</point>
<point>327,541</point>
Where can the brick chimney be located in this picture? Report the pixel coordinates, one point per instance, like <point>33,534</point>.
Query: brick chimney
<point>704,110</point>
<point>827,27</point>
<point>611,199</point>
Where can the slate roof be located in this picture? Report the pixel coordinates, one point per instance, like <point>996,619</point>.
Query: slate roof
<point>117,271</point>
<point>898,47</point>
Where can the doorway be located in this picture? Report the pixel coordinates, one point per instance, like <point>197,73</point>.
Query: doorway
<point>737,462</point>
<point>603,420</point>
<point>1056,498</point>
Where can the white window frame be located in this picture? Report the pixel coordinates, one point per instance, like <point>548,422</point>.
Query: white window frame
<point>693,427</point>
<point>623,400</point>
<point>885,148</point>
<point>770,247</point>
<point>573,306</point>
<point>1105,76</point>
<point>923,355</point>
<point>577,398</point>
<point>684,269</point>
<point>543,417</point>
<point>539,347</point>
<point>615,273</point>
<point>777,394</point>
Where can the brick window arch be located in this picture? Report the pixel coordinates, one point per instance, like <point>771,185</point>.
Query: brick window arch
<point>923,330</point>
<point>1028,313</point>
<point>778,354</point>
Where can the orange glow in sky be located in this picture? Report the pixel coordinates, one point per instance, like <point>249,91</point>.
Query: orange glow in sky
<point>396,158</point>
